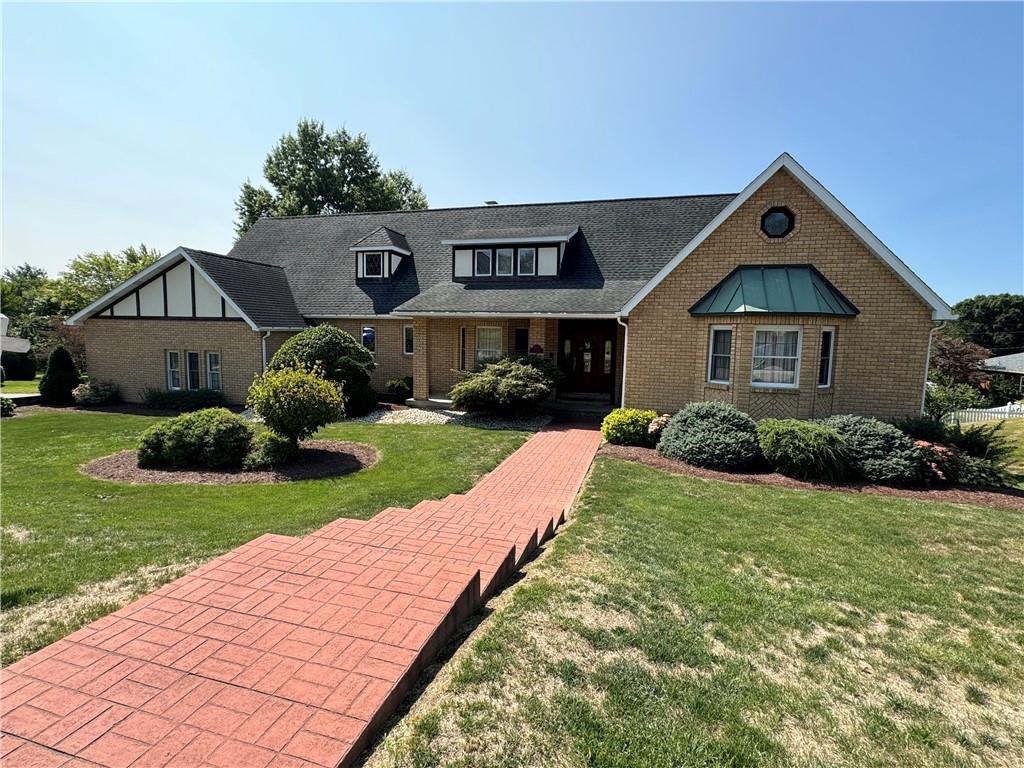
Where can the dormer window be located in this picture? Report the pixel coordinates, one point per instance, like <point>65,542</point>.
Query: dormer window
<point>482,262</point>
<point>373,265</point>
<point>527,261</point>
<point>504,258</point>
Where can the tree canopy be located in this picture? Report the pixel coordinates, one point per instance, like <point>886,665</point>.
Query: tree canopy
<point>90,275</point>
<point>995,321</point>
<point>316,172</point>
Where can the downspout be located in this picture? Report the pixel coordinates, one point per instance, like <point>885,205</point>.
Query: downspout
<point>928,362</point>
<point>625,359</point>
<point>263,345</point>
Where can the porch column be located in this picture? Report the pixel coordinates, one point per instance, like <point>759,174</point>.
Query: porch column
<point>537,337</point>
<point>420,358</point>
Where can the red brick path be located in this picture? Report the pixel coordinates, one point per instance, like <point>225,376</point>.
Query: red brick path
<point>287,651</point>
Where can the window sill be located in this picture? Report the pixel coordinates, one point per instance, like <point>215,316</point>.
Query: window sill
<point>781,389</point>
<point>723,385</point>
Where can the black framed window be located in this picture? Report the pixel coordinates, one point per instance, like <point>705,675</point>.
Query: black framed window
<point>373,264</point>
<point>407,339</point>
<point>828,346</point>
<point>777,222</point>
<point>192,369</point>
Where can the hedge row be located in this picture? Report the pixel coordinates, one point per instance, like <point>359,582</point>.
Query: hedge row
<point>719,436</point>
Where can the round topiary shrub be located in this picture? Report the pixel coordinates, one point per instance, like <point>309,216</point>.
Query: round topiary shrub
<point>61,378</point>
<point>877,451</point>
<point>627,426</point>
<point>710,434</point>
<point>294,402</point>
<point>270,449</point>
<point>214,437</point>
<point>503,387</point>
<point>339,357</point>
<point>803,449</point>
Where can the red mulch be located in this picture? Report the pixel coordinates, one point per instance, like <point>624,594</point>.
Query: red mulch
<point>318,459</point>
<point>1007,498</point>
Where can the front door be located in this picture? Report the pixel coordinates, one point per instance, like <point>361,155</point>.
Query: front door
<point>587,356</point>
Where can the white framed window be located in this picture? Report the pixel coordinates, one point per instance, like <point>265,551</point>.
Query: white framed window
<point>527,261</point>
<point>192,369</point>
<point>504,261</point>
<point>482,262</point>
<point>407,339</point>
<point>488,344</point>
<point>776,357</point>
<point>213,371</point>
<point>173,369</point>
<point>720,354</point>
<point>369,337</point>
<point>373,264</point>
<point>825,361</point>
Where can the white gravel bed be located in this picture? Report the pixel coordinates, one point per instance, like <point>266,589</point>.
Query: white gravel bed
<point>422,416</point>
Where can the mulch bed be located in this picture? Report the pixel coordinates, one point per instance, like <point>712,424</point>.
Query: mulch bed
<point>1008,498</point>
<point>319,459</point>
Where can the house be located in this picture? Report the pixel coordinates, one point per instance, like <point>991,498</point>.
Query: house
<point>776,299</point>
<point>1007,366</point>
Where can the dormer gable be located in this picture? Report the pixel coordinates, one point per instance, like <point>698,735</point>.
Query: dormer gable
<point>379,254</point>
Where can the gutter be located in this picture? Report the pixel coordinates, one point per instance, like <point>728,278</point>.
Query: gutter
<point>625,360</point>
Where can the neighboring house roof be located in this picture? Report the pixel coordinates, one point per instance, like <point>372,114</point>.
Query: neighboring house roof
<point>260,291</point>
<point>940,309</point>
<point>620,245</point>
<point>1004,364</point>
<point>383,238</point>
<point>784,290</point>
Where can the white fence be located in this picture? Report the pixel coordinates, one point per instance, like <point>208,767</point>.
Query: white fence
<point>970,415</point>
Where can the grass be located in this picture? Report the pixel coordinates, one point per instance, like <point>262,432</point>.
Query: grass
<point>10,387</point>
<point>1013,430</point>
<point>684,622</point>
<point>75,548</point>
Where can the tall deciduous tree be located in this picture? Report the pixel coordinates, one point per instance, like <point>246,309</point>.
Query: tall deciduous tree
<point>956,360</point>
<point>90,275</point>
<point>26,291</point>
<point>995,322</point>
<point>314,172</point>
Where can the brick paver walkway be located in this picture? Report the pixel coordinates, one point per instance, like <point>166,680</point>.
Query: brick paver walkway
<point>288,652</point>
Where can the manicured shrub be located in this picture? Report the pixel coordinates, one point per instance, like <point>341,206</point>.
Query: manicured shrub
<point>803,449</point>
<point>971,470</point>
<point>7,407</point>
<point>60,379</point>
<point>400,388</point>
<point>656,427</point>
<point>923,428</point>
<point>270,449</point>
<point>294,402</point>
<point>182,400</point>
<point>18,366</point>
<point>877,451</point>
<point>339,357</point>
<point>96,393</point>
<point>214,437</point>
<point>710,434</point>
<point>627,426</point>
<point>545,365</point>
<point>504,387</point>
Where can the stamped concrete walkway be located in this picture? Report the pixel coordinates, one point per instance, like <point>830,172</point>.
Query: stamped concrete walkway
<point>288,652</point>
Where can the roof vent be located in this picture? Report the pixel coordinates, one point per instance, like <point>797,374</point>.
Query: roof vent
<point>490,202</point>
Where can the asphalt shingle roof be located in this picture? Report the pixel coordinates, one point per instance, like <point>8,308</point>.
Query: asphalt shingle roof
<point>621,244</point>
<point>1005,363</point>
<point>382,237</point>
<point>260,290</point>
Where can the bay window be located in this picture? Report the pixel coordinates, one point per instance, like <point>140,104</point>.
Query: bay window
<point>776,357</point>
<point>720,354</point>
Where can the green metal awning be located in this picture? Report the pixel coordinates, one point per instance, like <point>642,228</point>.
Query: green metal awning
<point>783,290</point>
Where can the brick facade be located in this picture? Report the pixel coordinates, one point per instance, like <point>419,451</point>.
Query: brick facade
<point>879,355</point>
<point>392,362</point>
<point>132,353</point>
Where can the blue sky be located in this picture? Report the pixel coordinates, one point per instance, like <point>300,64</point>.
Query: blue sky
<point>137,123</point>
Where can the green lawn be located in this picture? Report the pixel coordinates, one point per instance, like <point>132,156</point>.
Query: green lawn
<point>684,622</point>
<point>21,387</point>
<point>1013,429</point>
<point>75,548</point>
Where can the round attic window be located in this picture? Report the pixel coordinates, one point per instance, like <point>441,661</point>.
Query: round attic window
<point>777,222</point>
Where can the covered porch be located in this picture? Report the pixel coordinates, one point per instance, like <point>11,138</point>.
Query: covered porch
<point>588,351</point>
